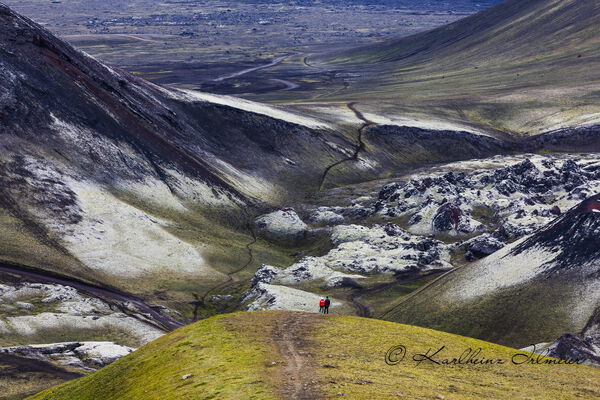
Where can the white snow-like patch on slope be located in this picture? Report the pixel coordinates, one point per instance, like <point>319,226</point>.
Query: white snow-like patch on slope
<point>63,307</point>
<point>372,250</point>
<point>501,270</point>
<point>307,269</point>
<point>514,210</point>
<point>246,182</point>
<point>29,325</point>
<point>82,356</point>
<point>121,240</point>
<point>196,191</point>
<point>107,352</point>
<point>428,124</point>
<point>275,297</point>
<point>361,250</point>
<point>247,105</point>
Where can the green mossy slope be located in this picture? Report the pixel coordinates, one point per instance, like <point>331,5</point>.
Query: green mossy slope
<point>237,356</point>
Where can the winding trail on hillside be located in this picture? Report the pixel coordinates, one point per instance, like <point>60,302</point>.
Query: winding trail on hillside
<point>289,85</point>
<point>360,145</point>
<point>419,290</point>
<point>291,337</point>
<point>272,63</point>
<point>202,301</point>
<point>363,310</point>
<point>112,296</point>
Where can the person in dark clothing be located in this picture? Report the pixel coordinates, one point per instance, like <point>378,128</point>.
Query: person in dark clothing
<point>327,303</point>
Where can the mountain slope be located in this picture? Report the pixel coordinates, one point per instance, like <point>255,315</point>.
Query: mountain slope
<point>531,291</point>
<point>303,355</point>
<point>113,180</point>
<point>521,67</point>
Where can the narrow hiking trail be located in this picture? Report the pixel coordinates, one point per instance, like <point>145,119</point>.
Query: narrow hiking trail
<point>289,85</point>
<point>362,310</point>
<point>201,301</point>
<point>275,61</point>
<point>291,335</point>
<point>360,145</point>
<point>272,63</point>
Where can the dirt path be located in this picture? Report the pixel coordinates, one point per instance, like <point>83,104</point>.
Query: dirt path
<point>201,301</point>
<point>292,335</point>
<point>289,85</point>
<point>362,310</point>
<point>272,63</point>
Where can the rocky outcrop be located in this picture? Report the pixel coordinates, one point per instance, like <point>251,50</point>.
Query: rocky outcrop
<point>35,311</point>
<point>571,347</point>
<point>282,225</point>
<point>81,356</point>
<point>572,239</point>
<point>277,297</point>
<point>358,252</point>
<point>509,201</point>
<point>449,217</point>
<point>481,246</point>
<point>535,288</point>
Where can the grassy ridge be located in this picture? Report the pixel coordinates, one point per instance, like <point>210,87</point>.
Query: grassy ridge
<point>234,357</point>
<point>225,362</point>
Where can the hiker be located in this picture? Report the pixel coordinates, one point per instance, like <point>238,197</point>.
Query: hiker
<point>327,303</point>
<point>322,305</point>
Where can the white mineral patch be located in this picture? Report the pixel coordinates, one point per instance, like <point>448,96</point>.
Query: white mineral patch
<point>501,270</point>
<point>428,124</point>
<point>371,250</point>
<point>84,356</point>
<point>275,297</point>
<point>106,352</point>
<point>29,325</point>
<point>197,191</point>
<point>64,308</point>
<point>282,223</point>
<point>362,250</point>
<point>155,193</point>
<point>121,240</point>
<point>325,215</point>
<point>245,182</point>
<point>250,106</point>
<point>310,269</point>
<point>519,208</point>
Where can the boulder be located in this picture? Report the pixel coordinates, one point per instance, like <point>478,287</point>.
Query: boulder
<point>482,246</point>
<point>282,225</point>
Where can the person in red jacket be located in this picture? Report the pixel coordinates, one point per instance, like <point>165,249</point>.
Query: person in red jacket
<point>322,305</point>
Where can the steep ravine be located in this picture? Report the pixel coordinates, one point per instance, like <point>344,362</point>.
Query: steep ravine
<point>359,139</point>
